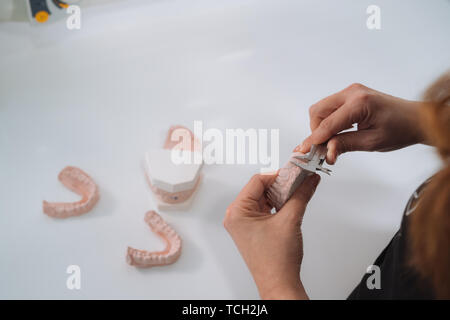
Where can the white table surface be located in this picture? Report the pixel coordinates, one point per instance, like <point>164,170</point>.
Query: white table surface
<point>98,98</point>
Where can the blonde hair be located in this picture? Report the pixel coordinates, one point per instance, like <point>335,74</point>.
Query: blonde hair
<point>430,223</point>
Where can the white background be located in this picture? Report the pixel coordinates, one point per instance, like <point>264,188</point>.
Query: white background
<point>98,98</point>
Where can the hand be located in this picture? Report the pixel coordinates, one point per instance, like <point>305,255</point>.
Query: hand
<point>384,122</point>
<point>271,244</point>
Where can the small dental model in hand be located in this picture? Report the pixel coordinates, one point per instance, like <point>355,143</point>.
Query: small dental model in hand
<point>146,259</point>
<point>79,182</point>
<point>291,176</point>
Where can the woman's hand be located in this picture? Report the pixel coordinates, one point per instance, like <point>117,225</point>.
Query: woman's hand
<point>384,122</point>
<point>271,244</point>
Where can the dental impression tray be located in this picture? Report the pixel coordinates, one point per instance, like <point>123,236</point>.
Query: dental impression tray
<point>291,176</point>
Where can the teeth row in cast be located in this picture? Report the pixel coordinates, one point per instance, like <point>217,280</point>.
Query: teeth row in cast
<point>146,259</point>
<point>79,182</point>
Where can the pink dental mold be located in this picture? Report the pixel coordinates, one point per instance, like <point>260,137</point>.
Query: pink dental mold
<point>79,182</point>
<point>288,180</point>
<point>177,131</point>
<point>146,259</point>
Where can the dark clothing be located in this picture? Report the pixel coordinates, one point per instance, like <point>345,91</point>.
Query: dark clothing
<point>398,279</point>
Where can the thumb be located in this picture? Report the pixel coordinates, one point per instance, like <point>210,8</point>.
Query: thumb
<point>296,205</point>
<point>348,141</point>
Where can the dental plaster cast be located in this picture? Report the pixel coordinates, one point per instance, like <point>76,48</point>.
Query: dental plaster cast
<point>79,182</point>
<point>172,184</point>
<point>146,259</point>
<point>288,180</point>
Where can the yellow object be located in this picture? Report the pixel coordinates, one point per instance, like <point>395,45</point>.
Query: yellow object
<point>41,16</point>
<point>62,4</point>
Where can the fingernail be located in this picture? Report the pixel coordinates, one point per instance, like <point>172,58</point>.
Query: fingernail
<point>297,148</point>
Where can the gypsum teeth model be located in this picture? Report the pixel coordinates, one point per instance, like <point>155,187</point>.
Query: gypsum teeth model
<point>288,180</point>
<point>79,182</point>
<point>146,259</point>
<point>173,185</point>
<point>292,175</point>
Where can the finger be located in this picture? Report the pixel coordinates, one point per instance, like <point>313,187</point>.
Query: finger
<point>342,119</point>
<point>323,108</point>
<point>297,148</point>
<point>255,188</point>
<point>349,141</point>
<point>265,207</point>
<point>296,205</point>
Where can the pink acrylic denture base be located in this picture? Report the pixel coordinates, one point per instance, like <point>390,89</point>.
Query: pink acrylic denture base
<point>79,182</point>
<point>146,259</point>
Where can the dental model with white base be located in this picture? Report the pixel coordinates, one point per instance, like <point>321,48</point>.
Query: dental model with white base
<point>79,182</point>
<point>146,259</point>
<point>173,184</point>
